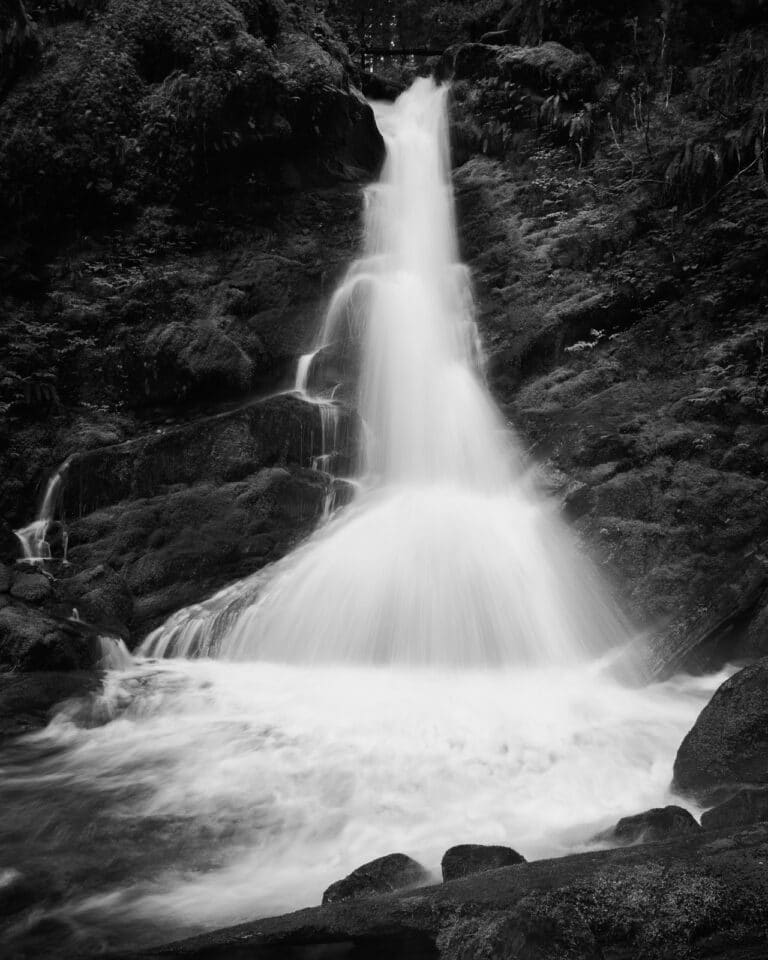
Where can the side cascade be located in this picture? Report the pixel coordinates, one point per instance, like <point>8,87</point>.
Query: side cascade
<point>35,546</point>
<point>447,554</point>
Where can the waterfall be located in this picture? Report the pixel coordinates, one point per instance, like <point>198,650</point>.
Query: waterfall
<point>35,547</point>
<point>447,554</point>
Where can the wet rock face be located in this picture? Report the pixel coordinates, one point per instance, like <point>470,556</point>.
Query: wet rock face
<point>191,211</point>
<point>651,826</point>
<point>746,807</point>
<point>727,748</point>
<point>32,587</point>
<point>27,700</point>
<point>383,875</point>
<point>621,342</point>
<point>467,859</point>
<point>31,640</point>
<point>696,896</point>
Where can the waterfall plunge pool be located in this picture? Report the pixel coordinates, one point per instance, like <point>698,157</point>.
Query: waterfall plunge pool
<point>196,794</point>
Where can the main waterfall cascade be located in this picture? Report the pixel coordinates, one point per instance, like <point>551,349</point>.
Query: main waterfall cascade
<point>447,554</point>
<point>312,717</point>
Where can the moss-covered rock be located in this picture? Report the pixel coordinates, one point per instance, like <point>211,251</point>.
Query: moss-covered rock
<point>149,99</point>
<point>30,641</point>
<point>394,871</point>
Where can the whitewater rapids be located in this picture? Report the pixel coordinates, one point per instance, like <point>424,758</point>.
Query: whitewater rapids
<point>194,794</point>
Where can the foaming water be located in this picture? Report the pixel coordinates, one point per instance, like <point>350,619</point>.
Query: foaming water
<point>448,555</point>
<point>193,794</point>
<point>197,791</point>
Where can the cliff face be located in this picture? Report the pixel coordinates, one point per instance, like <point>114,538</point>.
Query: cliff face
<point>180,190</point>
<point>613,209</point>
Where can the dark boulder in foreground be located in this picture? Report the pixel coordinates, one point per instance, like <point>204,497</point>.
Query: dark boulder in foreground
<point>470,858</point>
<point>748,806</point>
<point>383,875</point>
<point>651,826</point>
<point>699,896</point>
<point>727,747</point>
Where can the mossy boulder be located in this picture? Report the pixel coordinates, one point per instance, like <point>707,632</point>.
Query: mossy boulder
<point>383,875</point>
<point>467,859</point>
<point>30,640</point>
<point>183,361</point>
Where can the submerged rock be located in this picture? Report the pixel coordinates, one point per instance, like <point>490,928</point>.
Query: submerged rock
<point>470,858</point>
<point>383,875</point>
<point>727,747</point>
<point>748,806</point>
<point>660,823</point>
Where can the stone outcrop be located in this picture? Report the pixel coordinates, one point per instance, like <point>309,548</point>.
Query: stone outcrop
<point>470,858</point>
<point>383,875</point>
<point>727,748</point>
<point>702,896</point>
<point>652,826</point>
<point>213,155</point>
<point>746,807</point>
<point>620,344</point>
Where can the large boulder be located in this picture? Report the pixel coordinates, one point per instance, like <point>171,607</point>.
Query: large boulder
<point>187,361</point>
<point>383,875</point>
<point>31,586</point>
<point>727,748</point>
<point>651,826</point>
<point>470,858</point>
<point>184,543</point>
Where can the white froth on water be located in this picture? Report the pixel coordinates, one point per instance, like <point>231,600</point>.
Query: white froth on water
<point>448,555</point>
<point>215,791</point>
<point>297,775</point>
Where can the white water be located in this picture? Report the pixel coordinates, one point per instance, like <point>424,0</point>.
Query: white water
<point>200,792</point>
<point>448,556</point>
<point>229,791</point>
<point>35,547</point>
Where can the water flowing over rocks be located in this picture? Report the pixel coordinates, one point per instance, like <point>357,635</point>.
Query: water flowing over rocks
<point>728,745</point>
<point>180,193</point>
